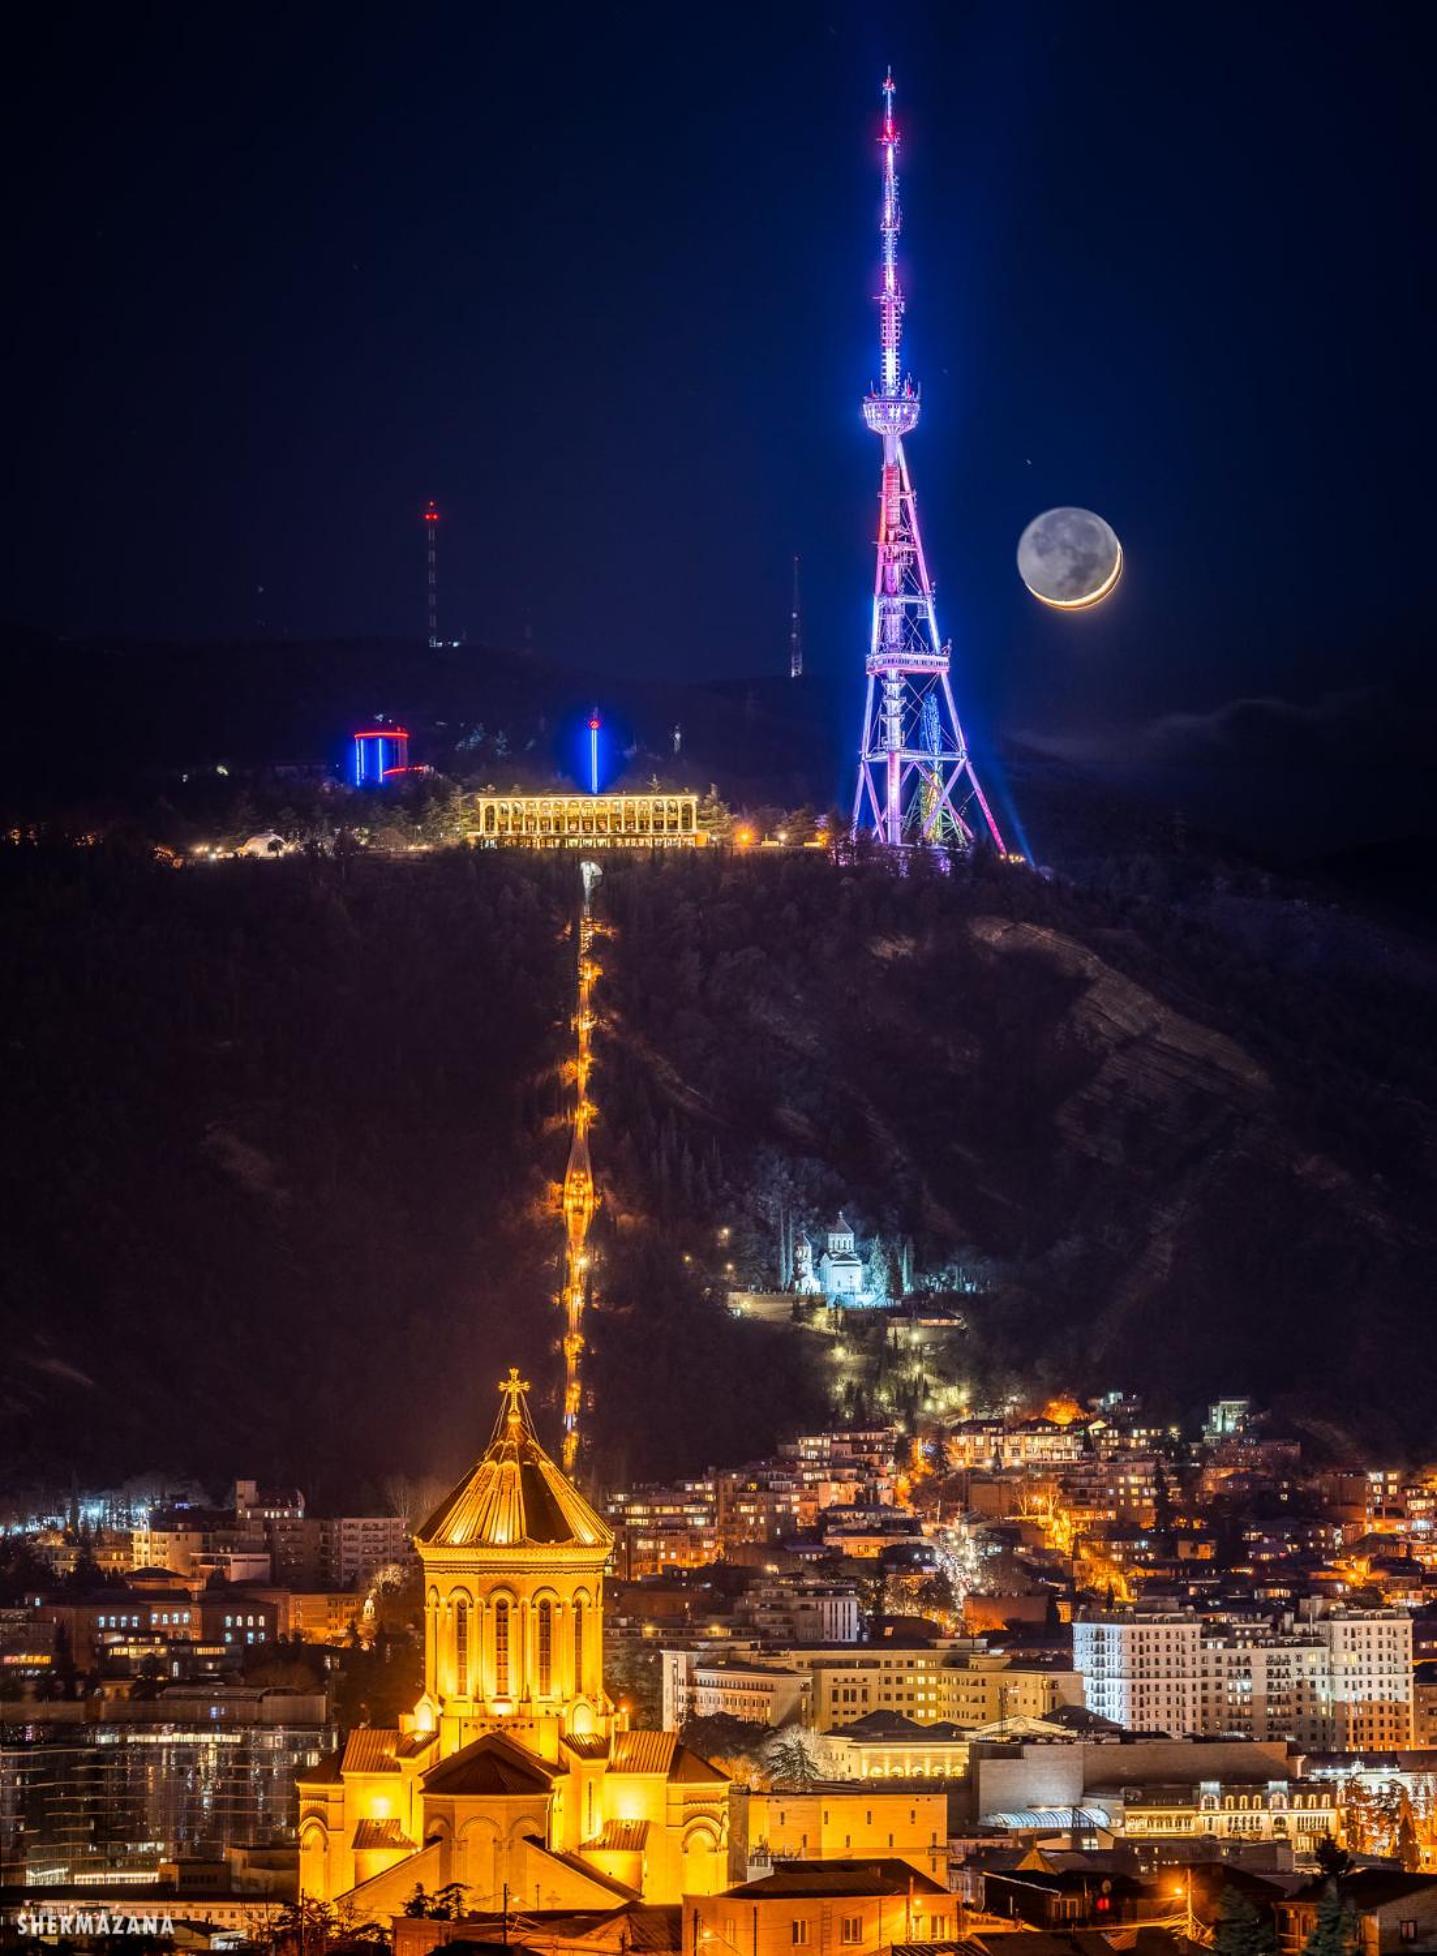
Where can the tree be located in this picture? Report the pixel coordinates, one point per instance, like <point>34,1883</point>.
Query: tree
<point>1332,1860</point>
<point>305,1926</point>
<point>1357,1819</point>
<point>736,1746</point>
<point>872,1601</point>
<point>790,1761</point>
<point>448,1902</point>
<point>1239,1929</point>
<point>1407,1846</point>
<point>1162,1501</point>
<point>880,1270</point>
<point>1335,1931</point>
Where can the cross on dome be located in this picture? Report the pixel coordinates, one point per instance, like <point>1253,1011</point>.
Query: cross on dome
<point>511,1391</point>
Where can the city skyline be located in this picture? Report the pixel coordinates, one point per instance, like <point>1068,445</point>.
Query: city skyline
<point>610,1347</point>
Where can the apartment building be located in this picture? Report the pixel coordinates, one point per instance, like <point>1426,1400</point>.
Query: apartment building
<point>658,1528</point>
<point>334,1551</point>
<point>1141,1671</point>
<point>871,1447</point>
<point>758,1503</point>
<point>800,1610</point>
<point>1340,1682</point>
<point>999,1443</point>
<point>279,1542</point>
<point>859,1906</point>
<point>947,1682</point>
<point>761,1693</point>
<point>832,1823</point>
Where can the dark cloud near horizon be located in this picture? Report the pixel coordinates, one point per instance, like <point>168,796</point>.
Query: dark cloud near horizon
<point>1351,763</point>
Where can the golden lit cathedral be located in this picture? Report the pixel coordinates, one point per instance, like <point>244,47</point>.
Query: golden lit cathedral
<point>514,1774</point>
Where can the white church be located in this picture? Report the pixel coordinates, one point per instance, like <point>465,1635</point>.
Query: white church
<point>839,1275</point>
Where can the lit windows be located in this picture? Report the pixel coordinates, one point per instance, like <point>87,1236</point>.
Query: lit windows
<point>501,1648</point>
<point>546,1647</point>
<point>461,1648</point>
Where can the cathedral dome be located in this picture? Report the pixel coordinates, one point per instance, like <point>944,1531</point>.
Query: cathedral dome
<point>516,1496</point>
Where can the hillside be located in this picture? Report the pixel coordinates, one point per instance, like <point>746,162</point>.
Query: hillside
<point>283,1139</point>
<point>1180,1164</point>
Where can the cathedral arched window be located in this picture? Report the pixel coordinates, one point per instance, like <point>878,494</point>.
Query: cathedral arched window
<point>546,1647</point>
<point>461,1648</point>
<point>501,1648</point>
<point>579,1644</point>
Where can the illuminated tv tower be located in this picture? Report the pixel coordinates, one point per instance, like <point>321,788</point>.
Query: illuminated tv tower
<point>915,780</point>
<point>795,632</point>
<point>431,590</point>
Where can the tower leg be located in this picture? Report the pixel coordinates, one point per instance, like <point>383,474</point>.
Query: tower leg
<point>862,761</point>
<point>979,796</point>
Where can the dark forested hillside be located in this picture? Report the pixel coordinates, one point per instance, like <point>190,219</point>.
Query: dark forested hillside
<point>273,1175</point>
<point>1178,1163</point>
<point>282,1140</point>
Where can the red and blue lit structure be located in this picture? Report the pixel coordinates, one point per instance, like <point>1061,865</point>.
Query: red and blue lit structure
<point>378,753</point>
<point>916,782</point>
<point>594,724</point>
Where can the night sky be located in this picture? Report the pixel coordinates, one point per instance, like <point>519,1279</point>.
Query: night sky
<point>599,281</point>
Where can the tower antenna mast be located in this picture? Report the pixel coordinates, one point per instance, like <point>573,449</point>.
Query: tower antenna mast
<point>431,585</point>
<point>795,632</point>
<point>916,782</point>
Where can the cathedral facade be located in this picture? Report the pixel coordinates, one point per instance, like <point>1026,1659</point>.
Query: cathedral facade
<point>515,1774</point>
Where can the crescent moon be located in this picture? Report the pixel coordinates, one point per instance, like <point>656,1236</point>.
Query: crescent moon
<point>1093,597</point>
<point>1069,558</point>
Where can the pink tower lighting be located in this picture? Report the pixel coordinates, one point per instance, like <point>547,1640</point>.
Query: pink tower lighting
<point>916,782</point>
<point>431,569</point>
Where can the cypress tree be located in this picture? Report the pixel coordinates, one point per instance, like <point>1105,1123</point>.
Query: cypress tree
<point>1335,1931</point>
<point>1240,1930</point>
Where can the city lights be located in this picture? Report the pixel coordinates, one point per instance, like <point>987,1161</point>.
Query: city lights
<point>580,1198</point>
<point>398,1556</point>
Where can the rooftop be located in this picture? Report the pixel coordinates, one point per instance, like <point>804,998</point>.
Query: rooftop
<point>515,1496</point>
<point>821,1880</point>
<point>491,1765</point>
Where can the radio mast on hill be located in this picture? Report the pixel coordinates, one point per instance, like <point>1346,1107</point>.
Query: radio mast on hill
<point>915,780</point>
<point>431,587</point>
<point>795,632</point>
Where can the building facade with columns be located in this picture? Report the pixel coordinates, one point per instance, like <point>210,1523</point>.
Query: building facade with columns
<point>515,1771</point>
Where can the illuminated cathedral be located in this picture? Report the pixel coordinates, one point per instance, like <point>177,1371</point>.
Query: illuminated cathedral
<point>515,1774</point>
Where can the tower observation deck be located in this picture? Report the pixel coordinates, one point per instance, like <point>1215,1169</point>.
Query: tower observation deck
<point>916,782</point>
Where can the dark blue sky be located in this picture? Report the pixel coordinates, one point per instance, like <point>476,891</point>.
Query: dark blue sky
<point>599,280</point>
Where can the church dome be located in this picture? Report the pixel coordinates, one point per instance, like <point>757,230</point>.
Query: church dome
<point>515,1497</point>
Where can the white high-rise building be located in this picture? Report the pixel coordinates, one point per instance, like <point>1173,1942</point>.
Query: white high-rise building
<point>1369,1685</point>
<point>1141,1671</point>
<point>1341,1681</point>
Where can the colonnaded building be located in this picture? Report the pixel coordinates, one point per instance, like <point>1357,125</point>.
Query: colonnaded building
<point>644,821</point>
<point>515,1771</point>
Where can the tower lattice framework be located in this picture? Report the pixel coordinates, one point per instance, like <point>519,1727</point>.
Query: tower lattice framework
<point>916,782</point>
<point>431,573</point>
